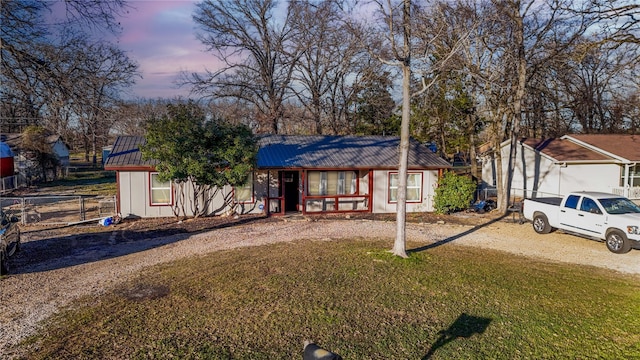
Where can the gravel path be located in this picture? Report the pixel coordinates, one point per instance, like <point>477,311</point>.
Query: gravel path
<point>39,290</point>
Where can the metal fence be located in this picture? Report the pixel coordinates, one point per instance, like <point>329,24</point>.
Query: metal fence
<point>492,193</point>
<point>9,183</point>
<point>59,210</point>
<point>486,193</point>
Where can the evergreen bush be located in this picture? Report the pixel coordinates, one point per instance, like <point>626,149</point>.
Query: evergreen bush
<point>454,193</point>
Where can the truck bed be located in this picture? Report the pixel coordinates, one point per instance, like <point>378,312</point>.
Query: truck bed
<point>548,200</point>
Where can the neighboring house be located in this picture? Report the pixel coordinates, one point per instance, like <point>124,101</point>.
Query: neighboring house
<point>607,163</point>
<point>58,148</point>
<point>305,174</point>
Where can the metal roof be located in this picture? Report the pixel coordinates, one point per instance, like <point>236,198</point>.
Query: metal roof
<point>126,153</point>
<point>300,151</point>
<point>335,152</point>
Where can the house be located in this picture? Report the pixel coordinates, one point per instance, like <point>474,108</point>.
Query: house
<point>22,162</point>
<point>304,174</point>
<point>550,167</point>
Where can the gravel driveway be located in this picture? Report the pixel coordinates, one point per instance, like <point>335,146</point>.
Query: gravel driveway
<point>93,263</point>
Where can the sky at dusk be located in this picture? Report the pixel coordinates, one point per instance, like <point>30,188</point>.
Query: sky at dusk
<point>160,36</point>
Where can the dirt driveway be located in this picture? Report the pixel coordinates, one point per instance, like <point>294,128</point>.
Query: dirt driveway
<point>58,266</point>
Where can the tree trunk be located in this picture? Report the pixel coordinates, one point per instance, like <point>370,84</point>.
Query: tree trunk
<point>519,93</point>
<point>472,147</point>
<point>399,246</point>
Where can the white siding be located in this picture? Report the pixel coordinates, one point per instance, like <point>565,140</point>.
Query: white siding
<point>134,196</point>
<point>537,175</point>
<point>134,191</point>
<point>62,152</point>
<point>591,177</point>
<point>381,202</point>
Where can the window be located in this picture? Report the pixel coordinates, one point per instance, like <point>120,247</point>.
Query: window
<point>244,193</point>
<point>572,202</point>
<point>160,191</point>
<point>634,176</point>
<point>331,183</point>
<point>414,187</point>
<point>589,206</point>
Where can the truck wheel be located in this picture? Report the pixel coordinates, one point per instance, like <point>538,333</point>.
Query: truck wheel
<point>4,266</point>
<point>541,224</point>
<point>617,242</point>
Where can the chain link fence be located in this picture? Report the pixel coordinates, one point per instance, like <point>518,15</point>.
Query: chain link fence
<point>10,183</point>
<point>59,210</point>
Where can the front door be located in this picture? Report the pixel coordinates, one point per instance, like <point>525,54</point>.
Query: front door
<point>290,183</point>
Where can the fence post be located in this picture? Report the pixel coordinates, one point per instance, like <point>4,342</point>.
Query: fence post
<point>82,215</point>
<point>24,212</point>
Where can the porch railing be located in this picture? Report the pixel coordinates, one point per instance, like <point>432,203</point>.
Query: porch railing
<point>632,193</point>
<point>335,203</point>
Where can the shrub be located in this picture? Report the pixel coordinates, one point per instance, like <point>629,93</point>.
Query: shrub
<point>454,192</point>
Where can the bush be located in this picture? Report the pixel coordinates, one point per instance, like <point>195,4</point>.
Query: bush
<point>454,192</point>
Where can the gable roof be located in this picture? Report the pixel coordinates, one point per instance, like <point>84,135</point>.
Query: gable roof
<point>299,151</point>
<point>126,154</point>
<point>342,152</point>
<point>621,146</point>
<point>564,150</point>
<point>14,140</point>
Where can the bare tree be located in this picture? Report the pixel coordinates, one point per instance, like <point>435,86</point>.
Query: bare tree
<point>47,62</point>
<point>593,79</point>
<point>514,42</point>
<point>539,34</point>
<point>132,117</point>
<point>27,35</point>
<point>404,36</point>
<point>250,38</point>
<point>328,60</point>
<point>112,72</point>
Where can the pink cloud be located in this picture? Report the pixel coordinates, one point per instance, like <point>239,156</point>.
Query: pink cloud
<point>160,36</point>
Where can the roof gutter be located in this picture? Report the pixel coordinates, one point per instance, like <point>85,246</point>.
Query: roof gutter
<point>617,162</point>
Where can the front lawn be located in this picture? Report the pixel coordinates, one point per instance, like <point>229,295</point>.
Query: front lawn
<point>354,298</point>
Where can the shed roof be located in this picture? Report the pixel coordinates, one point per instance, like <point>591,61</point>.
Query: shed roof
<point>337,152</point>
<point>300,151</point>
<point>126,154</point>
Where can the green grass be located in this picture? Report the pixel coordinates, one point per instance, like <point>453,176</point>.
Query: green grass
<point>86,182</point>
<point>355,298</point>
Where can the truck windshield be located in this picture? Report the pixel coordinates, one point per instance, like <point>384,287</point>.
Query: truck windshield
<point>619,206</point>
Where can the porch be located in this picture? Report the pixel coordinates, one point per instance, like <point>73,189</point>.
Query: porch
<point>632,193</point>
<point>317,191</point>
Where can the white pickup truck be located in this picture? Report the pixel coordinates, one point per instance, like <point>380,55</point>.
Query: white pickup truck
<point>601,216</point>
